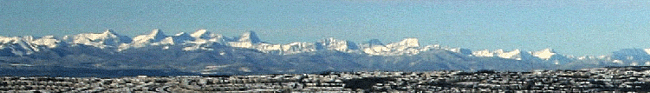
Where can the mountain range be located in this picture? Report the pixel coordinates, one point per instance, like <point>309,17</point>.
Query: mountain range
<point>204,52</point>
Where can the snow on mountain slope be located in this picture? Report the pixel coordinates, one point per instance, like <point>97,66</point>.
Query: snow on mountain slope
<point>336,45</point>
<point>374,47</point>
<point>266,47</point>
<point>19,45</point>
<point>101,40</point>
<point>10,40</point>
<point>249,36</point>
<point>201,33</point>
<point>203,40</point>
<point>408,46</point>
<point>647,51</point>
<point>180,38</point>
<point>298,47</point>
<point>547,55</point>
<point>514,54</point>
<point>586,58</point>
<point>631,54</point>
<point>483,53</point>
<point>48,41</point>
<point>373,43</point>
<point>406,43</point>
<point>246,40</point>
<point>431,47</point>
<point>154,36</point>
<point>203,36</point>
<point>285,49</point>
<point>458,50</point>
<point>517,55</point>
<point>544,54</point>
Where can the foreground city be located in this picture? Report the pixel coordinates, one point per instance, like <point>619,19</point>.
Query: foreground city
<point>621,79</point>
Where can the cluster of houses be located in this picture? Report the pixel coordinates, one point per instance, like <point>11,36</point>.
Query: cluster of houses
<point>609,79</point>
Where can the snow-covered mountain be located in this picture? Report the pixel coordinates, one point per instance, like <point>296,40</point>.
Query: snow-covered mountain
<point>203,40</point>
<point>336,45</point>
<point>202,36</point>
<point>634,57</point>
<point>155,37</point>
<point>246,40</point>
<point>514,54</point>
<point>545,54</point>
<point>19,45</point>
<point>205,51</point>
<point>49,42</point>
<point>102,40</point>
<point>542,55</point>
<point>408,46</point>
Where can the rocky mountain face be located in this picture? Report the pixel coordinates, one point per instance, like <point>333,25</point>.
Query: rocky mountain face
<point>209,53</point>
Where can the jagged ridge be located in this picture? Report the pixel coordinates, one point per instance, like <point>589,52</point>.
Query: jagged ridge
<point>203,40</point>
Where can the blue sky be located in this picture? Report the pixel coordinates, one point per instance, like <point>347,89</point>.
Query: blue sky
<point>575,27</point>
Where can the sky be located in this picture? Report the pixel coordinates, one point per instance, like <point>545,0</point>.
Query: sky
<point>573,27</point>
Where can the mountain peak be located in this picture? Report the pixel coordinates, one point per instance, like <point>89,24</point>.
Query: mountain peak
<point>514,54</point>
<point>108,38</point>
<point>4,40</point>
<point>49,41</point>
<point>544,53</point>
<point>156,33</point>
<point>249,36</point>
<point>336,44</point>
<point>109,31</point>
<point>183,35</point>
<point>407,42</point>
<point>200,33</point>
<point>372,43</point>
<point>180,38</point>
<point>411,42</point>
<point>375,42</point>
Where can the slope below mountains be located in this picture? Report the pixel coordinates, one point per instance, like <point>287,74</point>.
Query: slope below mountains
<point>208,53</point>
